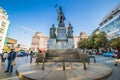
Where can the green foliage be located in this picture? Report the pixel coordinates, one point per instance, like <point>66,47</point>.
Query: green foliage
<point>94,41</point>
<point>81,43</point>
<point>115,43</point>
<point>100,40</point>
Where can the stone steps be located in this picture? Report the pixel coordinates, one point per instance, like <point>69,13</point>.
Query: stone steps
<point>62,55</point>
<point>67,54</point>
<point>62,59</point>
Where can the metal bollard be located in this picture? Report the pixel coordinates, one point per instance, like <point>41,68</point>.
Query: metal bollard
<point>88,60</point>
<point>63,65</point>
<point>94,60</point>
<point>43,65</point>
<point>84,64</point>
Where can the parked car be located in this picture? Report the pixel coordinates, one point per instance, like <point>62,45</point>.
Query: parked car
<point>108,54</point>
<point>21,54</point>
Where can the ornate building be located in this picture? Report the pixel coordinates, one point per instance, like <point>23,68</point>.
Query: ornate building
<point>83,35</point>
<point>4,24</point>
<point>40,41</point>
<point>76,40</point>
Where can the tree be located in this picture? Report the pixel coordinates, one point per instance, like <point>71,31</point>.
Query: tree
<point>95,41</point>
<point>82,43</point>
<point>115,43</point>
<point>100,40</point>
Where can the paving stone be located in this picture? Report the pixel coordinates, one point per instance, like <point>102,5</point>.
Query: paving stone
<point>99,59</point>
<point>94,71</point>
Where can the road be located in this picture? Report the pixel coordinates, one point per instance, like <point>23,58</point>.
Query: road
<point>23,60</point>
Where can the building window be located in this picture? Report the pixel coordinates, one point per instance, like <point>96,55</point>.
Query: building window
<point>1,31</point>
<point>3,24</point>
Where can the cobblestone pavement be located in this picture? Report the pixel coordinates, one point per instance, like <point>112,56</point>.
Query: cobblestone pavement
<point>23,60</point>
<point>13,75</point>
<point>110,63</point>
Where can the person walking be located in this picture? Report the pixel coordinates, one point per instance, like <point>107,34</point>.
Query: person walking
<point>5,55</point>
<point>27,53</point>
<point>38,56</point>
<point>117,57</point>
<point>1,57</point>
<point>11,58</point>
<point>31,56</point>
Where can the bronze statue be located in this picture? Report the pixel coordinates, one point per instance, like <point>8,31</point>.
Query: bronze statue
<point>52,32</point>
<point>70,31</point>
<point>61,16</point>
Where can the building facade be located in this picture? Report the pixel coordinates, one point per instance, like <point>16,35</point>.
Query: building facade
<point>40,41</point>
<point>4,24</point>
<point>83,35</point>
<point>10,44</point>
<point>76,40</point>
<point>111,23</point>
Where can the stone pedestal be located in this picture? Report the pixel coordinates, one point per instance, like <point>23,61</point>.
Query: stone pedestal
<point>61,45</point>
<point>61,32</point>
<point>52,43</point>
<point>70,43</point>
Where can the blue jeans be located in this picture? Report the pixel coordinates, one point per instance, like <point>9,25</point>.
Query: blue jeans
<point>10,66</point>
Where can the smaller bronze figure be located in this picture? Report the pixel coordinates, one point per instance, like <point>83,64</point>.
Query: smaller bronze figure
<point>70,31</point>
<point>52,32</point>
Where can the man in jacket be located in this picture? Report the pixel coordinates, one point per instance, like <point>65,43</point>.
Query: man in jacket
<point>11,58</point>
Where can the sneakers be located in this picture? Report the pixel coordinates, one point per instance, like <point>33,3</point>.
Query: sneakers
<point>6,71</point>
<point>116,64</point>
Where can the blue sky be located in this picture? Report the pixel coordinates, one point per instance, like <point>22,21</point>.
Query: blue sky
<point>28,16</point>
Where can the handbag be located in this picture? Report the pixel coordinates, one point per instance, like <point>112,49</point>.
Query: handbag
<point>13,62</point>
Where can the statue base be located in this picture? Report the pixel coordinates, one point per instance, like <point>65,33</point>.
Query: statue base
<point>52,44</point>
<point>61,32</point>
<point>61,45</point>
<point>70,43</point>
